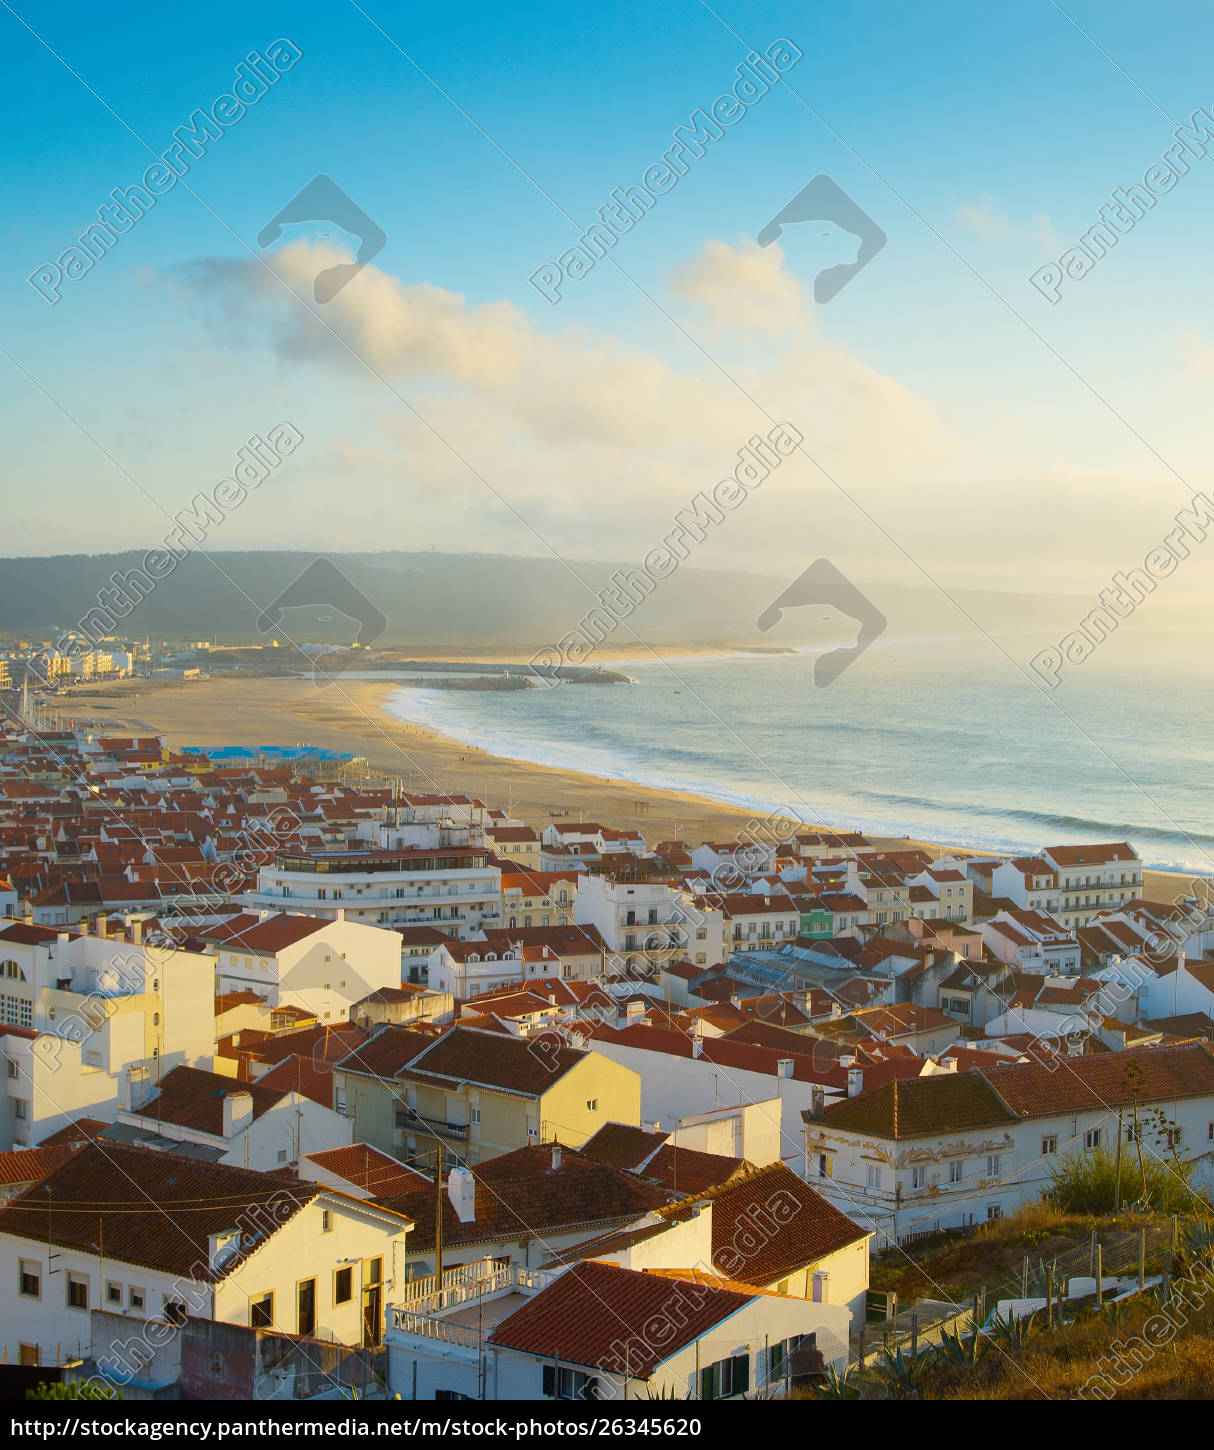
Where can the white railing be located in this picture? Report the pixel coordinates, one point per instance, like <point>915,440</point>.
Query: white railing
<point>426,1302</point>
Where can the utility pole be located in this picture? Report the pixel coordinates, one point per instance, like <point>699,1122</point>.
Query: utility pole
<point>438,1218</point>
<point>1117,1167</point>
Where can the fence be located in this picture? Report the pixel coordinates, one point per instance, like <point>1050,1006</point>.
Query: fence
<point>1138,1253</point>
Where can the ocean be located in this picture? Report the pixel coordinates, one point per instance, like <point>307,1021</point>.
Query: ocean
<point>940,739</point>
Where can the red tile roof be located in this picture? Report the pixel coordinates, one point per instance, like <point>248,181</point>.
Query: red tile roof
<point>522,1195</point>
<point>370,1170</point>
<point>596,1315</point>
<point>192,1098</point>
<point>768,1224</point>
<point>149,1208</point>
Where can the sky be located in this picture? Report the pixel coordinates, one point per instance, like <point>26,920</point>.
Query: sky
<point>962,426</point>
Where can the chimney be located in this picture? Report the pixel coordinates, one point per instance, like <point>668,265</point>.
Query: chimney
<point>784,1067</point>
<point>836,1009</point>
<point>817,1101</point>
<point>137,930</point>
<point>63,936</point>
<point>99,924</point>
<point>461,1190</point>
<point>697,1045</point>
<point>556,1157</point>
<point>237,1112</point>
<point>855,1081</point>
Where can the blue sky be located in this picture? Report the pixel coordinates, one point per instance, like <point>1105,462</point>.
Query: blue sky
<point>995,439</point>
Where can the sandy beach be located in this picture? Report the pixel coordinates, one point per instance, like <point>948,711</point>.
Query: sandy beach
<point>349,716</point>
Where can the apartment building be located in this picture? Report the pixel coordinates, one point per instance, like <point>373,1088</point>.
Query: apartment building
<point>85,1017</point>
<point>478,1093</point>
<point>453,889</point>
<point>321,965</point>
<point>644,923</point>
<point>1093,879</point>
<point>950,1149</point>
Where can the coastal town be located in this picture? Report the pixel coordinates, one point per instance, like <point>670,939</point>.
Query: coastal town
<point>321,1085</point>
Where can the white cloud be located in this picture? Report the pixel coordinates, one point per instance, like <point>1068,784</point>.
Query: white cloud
<point>986,218</point>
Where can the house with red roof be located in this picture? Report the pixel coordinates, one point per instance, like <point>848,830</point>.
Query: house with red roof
<point>598,1331</point>
<point>156,1237</point>
<point>309,962</point>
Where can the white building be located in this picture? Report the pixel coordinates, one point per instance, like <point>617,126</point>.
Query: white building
<point>453,889</point>
<point>645,923</point>
<point>87,1017</point>
<point>157,1236</point>
<point>323,966</point>
<point>224,1121</point>
<point>956,1148</point>
<point>503,1332</point>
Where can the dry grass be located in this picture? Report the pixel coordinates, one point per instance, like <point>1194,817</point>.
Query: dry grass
<point>1060,1363</point>
<point>992,1255</point>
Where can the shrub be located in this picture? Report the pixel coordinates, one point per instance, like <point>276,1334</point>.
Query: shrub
<point>1086,1182</point>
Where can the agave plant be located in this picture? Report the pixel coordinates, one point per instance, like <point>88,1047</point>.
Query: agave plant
<point>903,1375</point>
<point>960,1352</point>
<point>1014,1333</point>
<point>839,1386</point>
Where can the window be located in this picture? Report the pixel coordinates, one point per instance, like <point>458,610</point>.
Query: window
<point>569,1384</point>
<point>77,1291</point>
<point>20,1109</point>
<point>993,1211</point>
<point>725,1378</point>
<point>261,1312</point>
<point>451,1395</point>
<point>780,1354</point>
<point>1091,1139</point>
<point>326,1220</point>
<point>1050,1145</point>
<point>29,1354</point>
<point>30,1279</point>
<point>305,1307</point>
<point>373,1272</point>
<point>113,1294</point>
<point>175,1311</point>
<point>956,1170</point>
<point>826,1165</point>
<point>992,1165</point>
<point>282,1155</point>
<point>918,1177</point>
<point>872,1175</point>
<point>592,1105</point>
<point>474,1115</point>
<point>343,1285</point>
<point>134,1298</point>
<point>10,1068</point>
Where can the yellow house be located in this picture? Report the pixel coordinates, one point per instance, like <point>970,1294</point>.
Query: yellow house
<point>478,1093</point>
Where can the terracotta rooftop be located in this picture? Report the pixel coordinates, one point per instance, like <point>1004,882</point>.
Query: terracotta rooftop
<point>192,1098</point>
<point>596,1315</point>
<point>153,1209</point>
<point>522,1195</point>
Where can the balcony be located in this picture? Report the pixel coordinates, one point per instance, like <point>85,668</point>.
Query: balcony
<point>471,1301</point>
<point>412,1121</point>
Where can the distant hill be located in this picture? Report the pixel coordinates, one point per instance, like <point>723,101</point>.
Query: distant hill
<point>477,600</point>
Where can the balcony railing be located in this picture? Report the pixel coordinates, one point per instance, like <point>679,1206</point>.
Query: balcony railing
<point>411,1120</point>
<point>426,1303</point>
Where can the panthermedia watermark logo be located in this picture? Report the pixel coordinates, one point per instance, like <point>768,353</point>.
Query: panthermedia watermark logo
<point>322,200</point>
<point>323,586</point>
<point>823,584</point>
<point>824,200</point>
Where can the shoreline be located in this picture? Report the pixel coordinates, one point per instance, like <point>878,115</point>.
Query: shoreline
<point>352,718</point>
